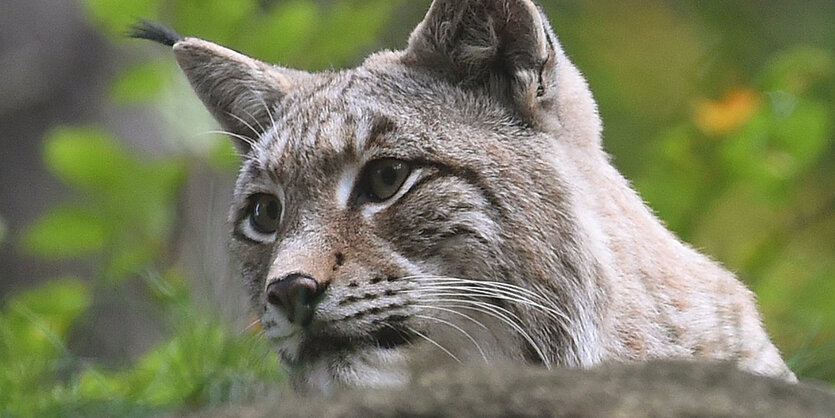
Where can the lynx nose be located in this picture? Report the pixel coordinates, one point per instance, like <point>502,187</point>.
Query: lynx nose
<point>296,295</point>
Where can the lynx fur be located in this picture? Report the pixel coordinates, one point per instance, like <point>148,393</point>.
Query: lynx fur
<point>511,237</point>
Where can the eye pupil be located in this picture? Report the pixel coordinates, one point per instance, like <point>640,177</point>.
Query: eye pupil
<point>388,175</point>
<point>272,209</point>
<point>265,213</point>
<point>383,179</point>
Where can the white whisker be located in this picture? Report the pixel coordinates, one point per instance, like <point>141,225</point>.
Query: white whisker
<point>257,133</point>
<point>508,289</point>
<point>257,122</point>
<point>456,280</point>
<point>500,294</point>
<point>536,300</point>
<point>433,342</point>
<point>477,346</point>
<point>267,108</point>
<point>452,312</point>
<point>249,141</point>
<point>490,310</point>
<point>251,325</point>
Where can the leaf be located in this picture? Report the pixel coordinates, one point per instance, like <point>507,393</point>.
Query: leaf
<point>129,202</point>
<point>724,116</point>
<point>804,134</point>
<point>140,83</point>
<point>778,145</point>
<point>169,289</point>
<point>96,384</point>
<point>678,168</point>
<point>203,363</point>
<point>85,157</point>
<point>284,32</point>
<point>65,232</point>
<point>218,20</point>
<point>129,259</point>
<point>57,303</point>
<point>36,321</point>
<point>798,69</point>
<point>223,157</point>
<point>345,30</point>
<point>116,16</point>
<point>33,356</point>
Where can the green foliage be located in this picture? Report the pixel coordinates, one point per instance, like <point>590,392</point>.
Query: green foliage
<point>122,217</point>
<point>86,158</point>
<point>204,363</point>
<point>114,16</point>
<point>127,208</point>
<point>65,232</point>
<point>140,83</point>
<point>33,330</point>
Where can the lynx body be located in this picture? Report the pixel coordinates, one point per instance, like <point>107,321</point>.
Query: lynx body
<point>452,203</point>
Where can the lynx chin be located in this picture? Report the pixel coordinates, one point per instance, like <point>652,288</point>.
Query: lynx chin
<point>451,203</point>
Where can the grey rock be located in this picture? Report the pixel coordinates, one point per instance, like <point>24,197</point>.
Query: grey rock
<point>659,389</point>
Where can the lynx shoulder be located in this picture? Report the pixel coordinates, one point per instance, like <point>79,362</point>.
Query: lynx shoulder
<point>452,202</point>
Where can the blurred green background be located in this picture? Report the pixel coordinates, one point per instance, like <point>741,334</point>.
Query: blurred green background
<point>117,298</point>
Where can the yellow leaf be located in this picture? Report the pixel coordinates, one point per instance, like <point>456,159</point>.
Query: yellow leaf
<point>722,117</point>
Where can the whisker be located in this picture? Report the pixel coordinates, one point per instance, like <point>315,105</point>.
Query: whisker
<point>536,300</point>
<point>433,342</point>
<point>456,280</point>
<point>253,144</point>
<point>466,334</point>
<point>452,312</point>
<point>257,122</point>
<point>257,133</point>
<point>558,316</point>
<point>267,108</point>
<point>255,322</point>
<point>249,141</point>
<point>495,312</point>
<point>509,288</point>
<point>395,329</point>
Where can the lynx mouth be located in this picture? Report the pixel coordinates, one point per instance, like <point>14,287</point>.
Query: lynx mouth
<point>317,346</point>
<point>389,338</point>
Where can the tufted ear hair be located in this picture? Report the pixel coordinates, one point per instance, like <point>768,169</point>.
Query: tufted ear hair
<point>504,46</point>
<point>239,91</point>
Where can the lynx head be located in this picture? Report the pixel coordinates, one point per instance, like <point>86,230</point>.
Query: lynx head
<point>417,210</point>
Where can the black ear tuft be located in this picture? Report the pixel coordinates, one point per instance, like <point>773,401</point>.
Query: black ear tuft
<point>154,31</point>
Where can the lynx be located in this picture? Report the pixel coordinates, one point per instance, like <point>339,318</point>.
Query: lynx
<point>452,203</point>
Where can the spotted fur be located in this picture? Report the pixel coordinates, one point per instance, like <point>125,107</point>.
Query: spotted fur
<point>513,238</point>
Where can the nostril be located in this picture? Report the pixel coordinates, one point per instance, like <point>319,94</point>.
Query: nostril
<point>296,295</point>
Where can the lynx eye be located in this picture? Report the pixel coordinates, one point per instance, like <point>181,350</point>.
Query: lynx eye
<point>383,178</point>
<point>264,213</point>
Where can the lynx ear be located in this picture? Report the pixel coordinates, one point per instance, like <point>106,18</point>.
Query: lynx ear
<point>505,46</point>
<point>238,90</point>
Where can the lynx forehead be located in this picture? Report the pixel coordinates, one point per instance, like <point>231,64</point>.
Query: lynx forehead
<point>452,203</point>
